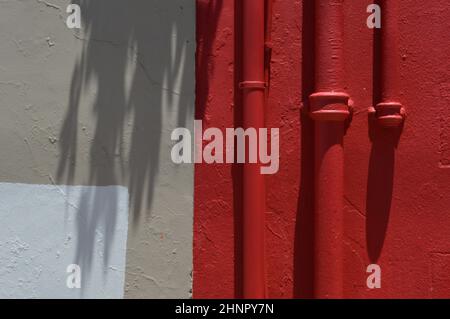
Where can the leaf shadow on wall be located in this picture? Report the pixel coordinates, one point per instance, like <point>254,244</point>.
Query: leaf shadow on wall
<point>134,67</point>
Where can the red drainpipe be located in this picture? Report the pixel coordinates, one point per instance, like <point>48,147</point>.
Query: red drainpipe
<point>253,88</point>
<point>268,43</point>
<point>389,112</point>
<point>330,111</point>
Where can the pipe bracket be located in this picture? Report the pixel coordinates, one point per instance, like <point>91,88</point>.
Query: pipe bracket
<point>390,114</point>
<point>329,106</point>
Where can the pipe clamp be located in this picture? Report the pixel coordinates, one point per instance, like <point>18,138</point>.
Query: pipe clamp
<point>390,114</point>
<point>252,85</point>
<point>329,106</point>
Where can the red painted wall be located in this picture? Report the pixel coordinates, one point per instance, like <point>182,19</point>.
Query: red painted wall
<point>397,202</point>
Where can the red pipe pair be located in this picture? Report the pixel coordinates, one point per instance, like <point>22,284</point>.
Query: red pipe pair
<point>330,110</point>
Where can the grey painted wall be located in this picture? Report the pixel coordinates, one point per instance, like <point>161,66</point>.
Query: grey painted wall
<point>96,107</point>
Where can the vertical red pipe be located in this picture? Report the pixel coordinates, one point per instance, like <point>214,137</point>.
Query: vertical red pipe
<point>329,109</point>
<point>253,98</point>
<point>268,43</point>
<point>389,111</point>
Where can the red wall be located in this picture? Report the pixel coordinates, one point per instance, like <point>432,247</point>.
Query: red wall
<point>397,203</point>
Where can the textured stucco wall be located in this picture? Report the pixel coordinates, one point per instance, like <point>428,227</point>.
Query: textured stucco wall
<point>96,107</point>
<point>396,211</point>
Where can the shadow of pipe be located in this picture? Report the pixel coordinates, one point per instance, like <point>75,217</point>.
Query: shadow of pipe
<point>237,169</point>
<point>380,184</point>
<point>304,227</point>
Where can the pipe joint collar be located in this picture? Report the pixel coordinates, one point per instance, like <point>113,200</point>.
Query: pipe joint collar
<point>329,106</point>
<point>390,114</point>
<point>252,85</point>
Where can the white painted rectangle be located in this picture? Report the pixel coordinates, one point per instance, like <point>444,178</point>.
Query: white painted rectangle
<point>45,228</point>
